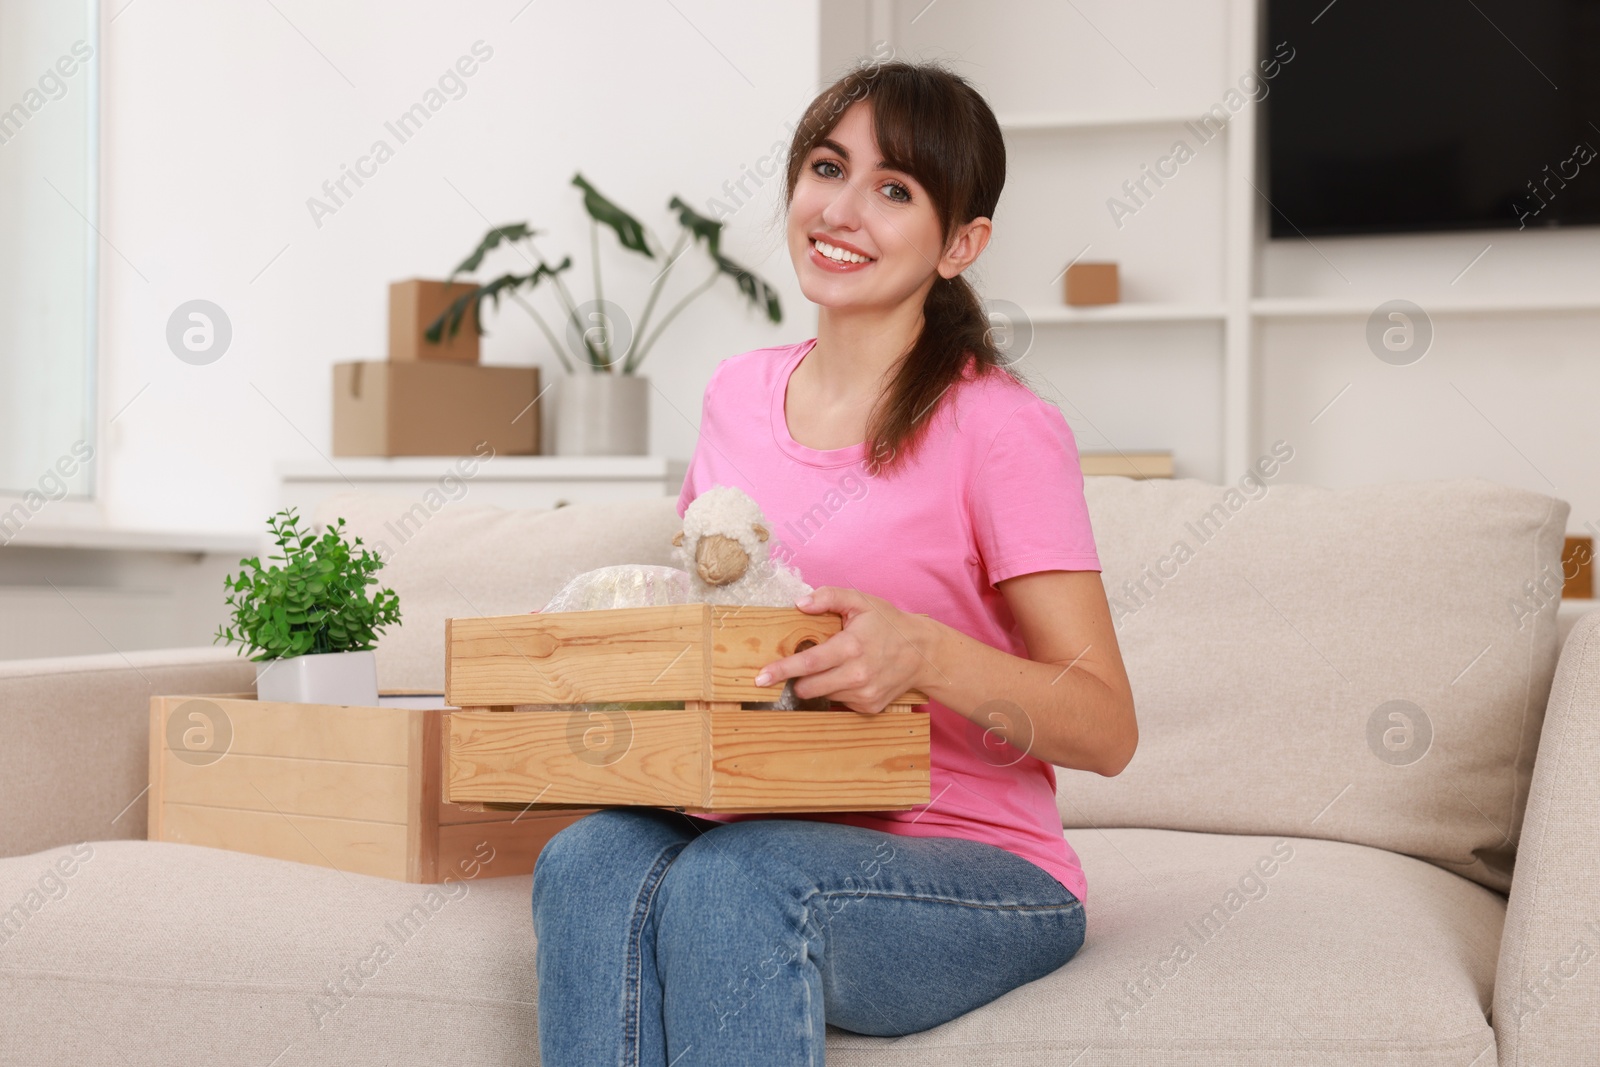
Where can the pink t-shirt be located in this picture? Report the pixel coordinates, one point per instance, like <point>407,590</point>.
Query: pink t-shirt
<point>993,490</point>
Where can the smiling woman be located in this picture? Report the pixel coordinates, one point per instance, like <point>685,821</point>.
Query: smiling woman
<point>965,568</point>
<point>48,245</point>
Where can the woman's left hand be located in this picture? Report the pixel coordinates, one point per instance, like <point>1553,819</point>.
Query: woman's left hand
<point>872,661</point>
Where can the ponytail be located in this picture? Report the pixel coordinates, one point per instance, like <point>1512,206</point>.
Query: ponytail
<point>955,330</point>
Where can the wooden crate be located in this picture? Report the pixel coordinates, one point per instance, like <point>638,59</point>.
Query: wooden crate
<point>676,734</point>
<point>358,789</point>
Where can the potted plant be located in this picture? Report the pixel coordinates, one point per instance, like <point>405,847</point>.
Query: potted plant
<point>602,410</point>
<point>311,619</point>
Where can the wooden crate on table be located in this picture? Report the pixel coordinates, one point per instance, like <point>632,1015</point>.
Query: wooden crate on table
<point>359,789</point>
<point>644,706</point>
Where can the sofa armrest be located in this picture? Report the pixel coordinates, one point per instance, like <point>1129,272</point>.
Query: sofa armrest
<point>75,739</point>
<point>1547,984</point>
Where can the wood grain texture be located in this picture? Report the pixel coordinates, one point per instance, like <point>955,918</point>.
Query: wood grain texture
<point>314,731</point>
<point>617,655</point>
<point>695,759</point>
<point>818,761</point>
<point>594,758</point>
<point>675,652</point>
<point>369,791</point>
<point>424,787</point>
<point>347,845</point>
<point>287,788</point>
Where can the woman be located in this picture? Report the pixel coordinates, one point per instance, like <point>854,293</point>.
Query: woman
<point>897,460</point>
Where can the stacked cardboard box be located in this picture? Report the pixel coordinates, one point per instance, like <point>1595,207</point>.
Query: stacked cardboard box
<point>432,399</point>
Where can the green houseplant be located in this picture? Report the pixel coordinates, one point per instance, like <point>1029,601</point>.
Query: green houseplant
<point>602,405</point>
<point>310,621</point>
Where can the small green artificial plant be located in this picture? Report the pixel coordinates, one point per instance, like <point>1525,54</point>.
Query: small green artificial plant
<point>317,602</point>
<point>597,343</point>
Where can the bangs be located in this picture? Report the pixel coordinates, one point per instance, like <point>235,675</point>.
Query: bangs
<point>923,126</point>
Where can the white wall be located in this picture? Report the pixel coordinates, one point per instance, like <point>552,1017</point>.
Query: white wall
<point>221,120</point>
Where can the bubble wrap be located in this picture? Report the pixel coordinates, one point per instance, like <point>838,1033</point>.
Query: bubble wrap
<point>636,585</point>
<point>628,585</point>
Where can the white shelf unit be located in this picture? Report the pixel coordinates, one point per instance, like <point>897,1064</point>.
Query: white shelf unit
<point>1191,298</point>
<point>501,481</point>
<point>1127,312</point>
<point>1305,308</point>
<point>1230,339</point>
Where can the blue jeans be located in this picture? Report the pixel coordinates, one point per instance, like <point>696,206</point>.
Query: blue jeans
<point>664,939</point>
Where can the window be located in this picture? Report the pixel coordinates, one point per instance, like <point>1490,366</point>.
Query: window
<point>49,89</point>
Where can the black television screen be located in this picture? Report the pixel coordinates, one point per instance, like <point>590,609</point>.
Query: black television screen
<point>1414,115</point>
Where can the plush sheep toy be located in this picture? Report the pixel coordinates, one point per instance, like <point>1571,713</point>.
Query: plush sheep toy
<point>725,559</point>
<point>723,546</point>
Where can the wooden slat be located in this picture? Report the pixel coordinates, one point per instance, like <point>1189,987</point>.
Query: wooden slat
<point>746,639</point>
<point>560,757</point>
<point>675,652</point>
<point>654,653</point>
<point>344,844</point>
<point>315,731</point>
<point>818,761</point>
<point>374,792</point>
<point>696,759</point>
<point>424,787</point>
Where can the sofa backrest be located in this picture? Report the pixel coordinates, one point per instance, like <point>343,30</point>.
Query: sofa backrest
<point>460,559</point>
<point>1367,664</point>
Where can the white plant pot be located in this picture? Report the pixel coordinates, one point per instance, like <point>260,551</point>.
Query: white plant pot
<point>325,678</point>
<point>601,414</point>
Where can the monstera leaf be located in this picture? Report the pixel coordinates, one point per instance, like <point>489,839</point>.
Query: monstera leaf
<point>753,287</point>
<point>449,320</point>
<point>632,235</point>
<point>629,232</point>
<point>710,231</point>
<point>697,224</point>
<point>516,231</point>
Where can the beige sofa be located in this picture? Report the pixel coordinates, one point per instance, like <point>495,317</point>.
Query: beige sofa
<point>1341,695</point>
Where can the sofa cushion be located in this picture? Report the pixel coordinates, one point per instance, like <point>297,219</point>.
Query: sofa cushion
<point>462,559</point>
<point>147,952</point>
<point>1367,664</point>
<point>1293,951</point>
<point>1342,954</point>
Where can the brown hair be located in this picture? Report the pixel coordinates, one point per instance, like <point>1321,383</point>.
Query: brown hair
<point>935,127</point>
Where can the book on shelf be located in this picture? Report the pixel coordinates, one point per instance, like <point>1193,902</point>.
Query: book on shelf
<point>1127,464</point>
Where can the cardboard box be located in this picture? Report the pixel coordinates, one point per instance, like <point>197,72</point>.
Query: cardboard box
<point>1577,568</point>
<point>1127,464</point>
<point>433,409</point>
<point>692,745</point>
<point>413,305</point>
<point>1092,283</point>
<point>353,788</point>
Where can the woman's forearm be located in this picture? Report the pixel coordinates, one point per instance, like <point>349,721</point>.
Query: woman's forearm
<point>1057,712</point>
